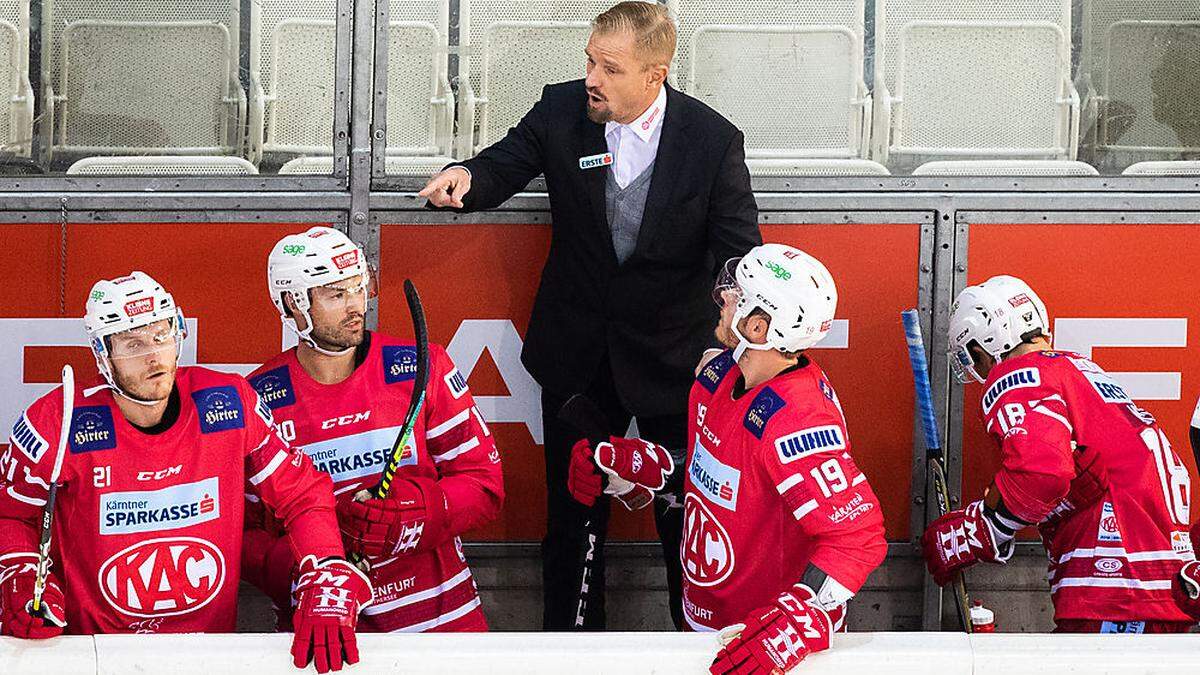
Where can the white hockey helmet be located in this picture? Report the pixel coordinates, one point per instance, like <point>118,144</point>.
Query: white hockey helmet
<point>997,315</point>
<point>793,288</point>
<point>299,262</point>
<point>127,304</point>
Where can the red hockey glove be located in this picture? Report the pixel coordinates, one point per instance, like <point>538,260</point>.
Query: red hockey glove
<point>583,480</point>
<point>329,596</point>
<point>411,519</point>
<point>958,540</point>
<point>776,638</point>
<point>640,462</point>
<point>16,602</point>
<point>1187,589</point>
<point>586,484</point>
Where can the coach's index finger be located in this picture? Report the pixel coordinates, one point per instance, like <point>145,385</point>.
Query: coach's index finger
<point>447,188</point>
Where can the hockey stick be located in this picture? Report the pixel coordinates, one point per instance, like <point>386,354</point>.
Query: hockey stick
<point>935,459</point>
<point>415,403</point>
<point>1194,435</point>
<point>582,413</point>
<point>64,433</point>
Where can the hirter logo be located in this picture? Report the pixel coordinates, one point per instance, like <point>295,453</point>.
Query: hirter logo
<point>163,577</point>
<point>347,259</point>
<point>139,306</point>
<point>219,408</point>
<point>707,548</point>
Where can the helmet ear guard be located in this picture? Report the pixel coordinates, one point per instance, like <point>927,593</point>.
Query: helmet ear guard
<point>996,316</point>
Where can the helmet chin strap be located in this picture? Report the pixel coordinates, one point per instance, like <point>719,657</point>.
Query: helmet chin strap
<point>306,335</point>
<point>744,344</point>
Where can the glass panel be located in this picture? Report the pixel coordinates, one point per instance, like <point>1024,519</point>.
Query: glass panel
<point>865,87</point>
<point>165,87</point>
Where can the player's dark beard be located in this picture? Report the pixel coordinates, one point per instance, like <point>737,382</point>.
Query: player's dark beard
<point>338,337</point>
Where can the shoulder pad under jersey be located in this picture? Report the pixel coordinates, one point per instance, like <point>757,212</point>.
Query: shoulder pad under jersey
<point>762,409</point>
<point>715,370</point>
<point>274,387</point>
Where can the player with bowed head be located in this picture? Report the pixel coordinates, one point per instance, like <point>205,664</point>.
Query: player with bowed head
<point>1079,460</point>
<point>781,528</point>
<point>149,505</point>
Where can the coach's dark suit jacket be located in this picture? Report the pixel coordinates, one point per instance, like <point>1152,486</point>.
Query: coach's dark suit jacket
<point>653,315</point>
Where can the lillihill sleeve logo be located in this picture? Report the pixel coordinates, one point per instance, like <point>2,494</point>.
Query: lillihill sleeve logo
<point>92,429</point>
<point>219,409</point>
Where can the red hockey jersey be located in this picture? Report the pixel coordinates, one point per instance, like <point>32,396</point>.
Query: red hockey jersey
<point>770,487</point>
<point>148,527</point>
<point>1112,556</point>
<point>348,430</point>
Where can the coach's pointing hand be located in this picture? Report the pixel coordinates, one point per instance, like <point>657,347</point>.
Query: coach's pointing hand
<point>447,187</point>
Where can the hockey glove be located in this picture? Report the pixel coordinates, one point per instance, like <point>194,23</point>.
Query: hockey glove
<point>960,539</point>
<point>329,596</point>
<point>16,601</point>
<point>583,480</point>
<point>636,469</point>
<point>776,638</point>
<point>411,519</point>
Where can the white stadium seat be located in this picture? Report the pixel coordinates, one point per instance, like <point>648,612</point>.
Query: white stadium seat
<point>293,104</point>
<point>136,87</point>
<point>815,167</point>
<point>1164,168</point>
<point>162,165</point>
<point>973,79</point>
<point>511,49</point>
<point>1005,167</point>
<point>817,104</point>
<point>16,118</point>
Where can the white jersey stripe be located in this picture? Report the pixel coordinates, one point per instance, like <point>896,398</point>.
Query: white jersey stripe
<point>441,620</point>
<point>32,501</point>
<point>805,509</point>
<point>1053,415</point>
<point>698,627</point>
<point>276,462</point>
<point>859,479</point>
<point>1118,552</point>
<point>457,450</point>
<point>789,483</point>
<point>1093,582</point>
<point>419,596</point>
<point>449,424</point>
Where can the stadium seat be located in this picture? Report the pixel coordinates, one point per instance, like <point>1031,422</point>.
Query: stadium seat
<point>395,165</point>
<point>138,88</point>
<point>16,118</point>
<point>815,167</point>
<point>160,165</point>
<point>816,103</point>
<point>1164,168</point>
<point>511,49</point>
<point>1144,93</point>
<point>973,79</point>
<point>293,111</point>
<point>1005,167</point>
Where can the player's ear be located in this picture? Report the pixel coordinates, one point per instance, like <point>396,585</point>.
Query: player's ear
<point>756,327</point>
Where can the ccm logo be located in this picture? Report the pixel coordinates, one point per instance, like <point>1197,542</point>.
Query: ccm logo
<point>159,475</point>
<point>353,418</point>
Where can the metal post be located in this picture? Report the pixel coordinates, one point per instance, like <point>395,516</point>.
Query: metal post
<point>361,104</point>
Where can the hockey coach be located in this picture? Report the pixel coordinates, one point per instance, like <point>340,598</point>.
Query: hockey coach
<point>649,194</point>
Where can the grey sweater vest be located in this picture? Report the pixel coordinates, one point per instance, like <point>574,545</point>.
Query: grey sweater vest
<point>625,208</point>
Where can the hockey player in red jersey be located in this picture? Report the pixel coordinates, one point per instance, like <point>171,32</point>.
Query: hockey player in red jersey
<point>781,529</point>
<point>148,532</point>
<point>1079,459</point>
<point>341,395</point>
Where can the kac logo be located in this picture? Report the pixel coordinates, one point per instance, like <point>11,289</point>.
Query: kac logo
<point>708,556</point>
<point>163,577</point>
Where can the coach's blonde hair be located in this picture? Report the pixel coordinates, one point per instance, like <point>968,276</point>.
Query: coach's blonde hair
<point>651,26</point>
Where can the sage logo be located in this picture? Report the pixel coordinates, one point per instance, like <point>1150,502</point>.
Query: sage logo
<point>780,272</point>
<point>219,408</point>
<point>293,249</point>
